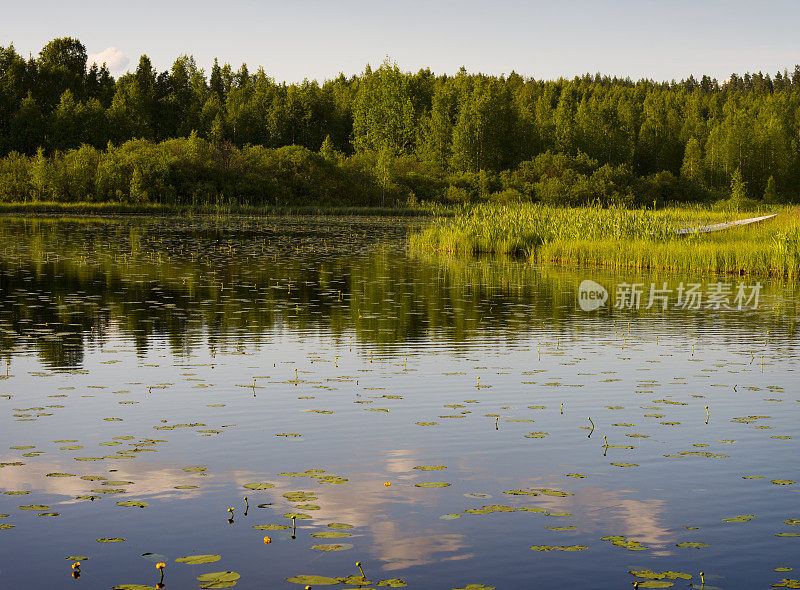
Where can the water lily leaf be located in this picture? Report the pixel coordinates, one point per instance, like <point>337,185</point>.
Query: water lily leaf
<point>655,584</point>
<point>77,558</point>
<point>312,580</point>
<point>787,583</point>
<point>669,575</point>
<point>17,492</point>
<point>35,507</point>
<point>218,580</point>
<point>271,527</point>
<point>578,475</point>
<point>110,540</point>
<point>333,547</point>
<point>393,583</point>
<point>259,486</point>
<point>329,535</point>
<point>740,518</point>
<point>430,467</point>
<point>561,528</point>
<point>340,525</point>
<point>133,587</point>
<point>787,534</point>
<point>490,509</point>
<point>782,482</point>
<point>195,469</point>
<point>49,514</point>
<point>692,545</point>
<point>475,587</point>
<point>300,496</point>
<point>426,423</point>
<point>549,492</point>
<point>432,484</point>
<point>5,527</point>
<point>198,559</point>
<point>297,515</point>
<point>60,475</point>
<point>186,487</point>
<point>559,547</point>
<point>792,521</point>
<point>132,504</point>
<point>615,464</point>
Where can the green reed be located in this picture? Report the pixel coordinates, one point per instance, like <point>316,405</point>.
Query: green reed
<point>617,238</point>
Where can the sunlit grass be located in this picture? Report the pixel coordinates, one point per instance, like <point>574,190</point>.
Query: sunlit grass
<point>620,238</point>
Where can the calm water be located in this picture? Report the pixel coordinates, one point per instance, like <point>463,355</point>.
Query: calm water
<point>173,362</point>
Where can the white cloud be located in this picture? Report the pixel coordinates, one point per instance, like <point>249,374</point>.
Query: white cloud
<point>115,60</point>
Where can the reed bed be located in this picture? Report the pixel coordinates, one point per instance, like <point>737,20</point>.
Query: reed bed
<point>618,238</point>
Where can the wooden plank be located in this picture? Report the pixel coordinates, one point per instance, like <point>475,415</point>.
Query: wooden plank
<point>722,226</point>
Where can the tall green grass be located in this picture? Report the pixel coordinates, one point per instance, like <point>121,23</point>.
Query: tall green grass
<point>619,238</point>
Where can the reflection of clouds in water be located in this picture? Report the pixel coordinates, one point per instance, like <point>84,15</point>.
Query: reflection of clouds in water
<point>402,550</point>
<point>638,520</point>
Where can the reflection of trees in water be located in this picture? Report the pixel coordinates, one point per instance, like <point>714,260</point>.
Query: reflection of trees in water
<point>70,284</point>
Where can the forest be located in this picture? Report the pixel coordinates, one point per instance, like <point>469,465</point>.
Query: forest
<point>70,131</point>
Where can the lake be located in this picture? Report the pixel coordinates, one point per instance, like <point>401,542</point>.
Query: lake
<point>178,387</point>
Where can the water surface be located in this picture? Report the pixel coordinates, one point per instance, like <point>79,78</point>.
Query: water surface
<point>181,359</point>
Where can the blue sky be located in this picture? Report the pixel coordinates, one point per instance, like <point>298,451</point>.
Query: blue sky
<point>318,39</point>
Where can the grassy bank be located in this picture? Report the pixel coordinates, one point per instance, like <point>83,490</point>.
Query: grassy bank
<point>622,239</point>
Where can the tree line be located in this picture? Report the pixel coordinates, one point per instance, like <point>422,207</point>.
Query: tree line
<point>66,129</point>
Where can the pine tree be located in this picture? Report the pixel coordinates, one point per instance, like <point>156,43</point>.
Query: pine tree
<point>738,186</point>
<point>770,193</point>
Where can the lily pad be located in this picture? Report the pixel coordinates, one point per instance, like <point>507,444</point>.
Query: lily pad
<point>259,486</point>
<point>35,507</point>
<point>333,547</point>
<point>132,504</point>
<point>430,467</point>
<point>740,518</point>
<point>271,527</point>
<point>782,482</point>
<point>312,580</point>
<point>218,580</point>
<point>329,535</point>
<point>433,484</point>
<point>198,559</point>
<point>60,475</point>
<point>340,525</point>
<point>110,540</point>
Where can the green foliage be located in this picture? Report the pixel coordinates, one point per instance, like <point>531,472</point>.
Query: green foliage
<point>448,138</point>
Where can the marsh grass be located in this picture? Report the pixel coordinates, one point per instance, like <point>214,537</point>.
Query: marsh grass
<point>618,238</point>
